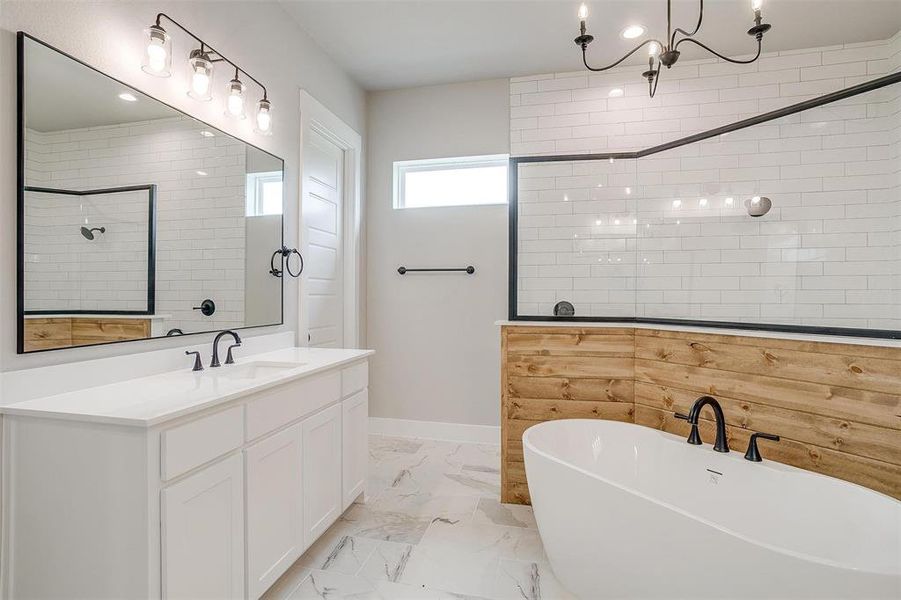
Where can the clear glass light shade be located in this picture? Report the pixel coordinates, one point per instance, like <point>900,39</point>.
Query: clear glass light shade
<point>234,100</point>
<point>583,12</point>
<point>158,52</point>
<point>264,117</point>
<point>200,73</point>
<point>756,5</point>
<point>653,49</point>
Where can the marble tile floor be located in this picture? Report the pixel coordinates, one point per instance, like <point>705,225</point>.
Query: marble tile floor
<point>432,528</point>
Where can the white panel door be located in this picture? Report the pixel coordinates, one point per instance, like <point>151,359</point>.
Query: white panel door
<point>355,445</point>
<point>203,533</point>
<point>274,507</point>
<point>321,471</point>
<point>323,214</point>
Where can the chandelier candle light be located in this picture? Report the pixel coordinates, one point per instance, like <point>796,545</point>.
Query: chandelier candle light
<point>667,54</point>
<point>158,62</point>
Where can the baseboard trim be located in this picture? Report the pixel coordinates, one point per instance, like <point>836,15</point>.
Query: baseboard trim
<point>433,430</point>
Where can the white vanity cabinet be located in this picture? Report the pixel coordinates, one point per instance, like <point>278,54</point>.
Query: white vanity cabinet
<point>203,533</point>
<point>321,472</point>
<point>275,532</point>
<point>214,503</point>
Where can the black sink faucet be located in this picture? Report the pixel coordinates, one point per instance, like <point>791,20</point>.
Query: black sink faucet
<point>721,444</point>
<point>229,360</point>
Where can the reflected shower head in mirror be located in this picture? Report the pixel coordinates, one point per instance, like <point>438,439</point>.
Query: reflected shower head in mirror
<point>759,206</point>
<point>89,233</point>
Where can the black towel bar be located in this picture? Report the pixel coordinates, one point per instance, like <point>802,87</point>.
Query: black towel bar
<point>468,270</point>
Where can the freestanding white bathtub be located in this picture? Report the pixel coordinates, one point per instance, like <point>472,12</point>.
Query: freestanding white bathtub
<point>626,511</point>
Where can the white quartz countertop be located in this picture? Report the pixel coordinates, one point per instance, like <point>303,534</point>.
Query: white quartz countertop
<point>149,401</point>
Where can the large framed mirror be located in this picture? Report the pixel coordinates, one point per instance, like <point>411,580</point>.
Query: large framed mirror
<point>135,220</point>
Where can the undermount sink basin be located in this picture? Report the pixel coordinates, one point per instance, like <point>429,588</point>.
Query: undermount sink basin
<point>256,370</point>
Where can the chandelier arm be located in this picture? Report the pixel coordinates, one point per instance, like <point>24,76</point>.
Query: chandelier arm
<point>610,66</point>
<point>696,29</point>
<point>718,55</point>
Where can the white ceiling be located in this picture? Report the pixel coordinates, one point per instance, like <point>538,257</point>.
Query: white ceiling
<point>91,99</point>
<point>386,44</point>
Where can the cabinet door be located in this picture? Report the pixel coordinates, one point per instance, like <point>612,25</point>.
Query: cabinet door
<point>274,507</point>
<point>203,533</point>
<point>321,472</point>
<point>355,445</point>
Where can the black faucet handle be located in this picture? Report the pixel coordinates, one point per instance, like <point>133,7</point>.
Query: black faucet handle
<point>753,454</point>
<point>198,366</point>
<point>229,360</point>
<point>695,437</point>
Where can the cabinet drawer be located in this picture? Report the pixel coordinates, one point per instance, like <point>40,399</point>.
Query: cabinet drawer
<point>192,444</point>
<point>280,405</point>
<point>354,378</point>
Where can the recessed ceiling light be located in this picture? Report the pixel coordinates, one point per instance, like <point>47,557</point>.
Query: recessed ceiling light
<point>632,31</point>
<point>201,173</point>
<point>615,93</point>
<point>127,97</point>
<point>206,133</point>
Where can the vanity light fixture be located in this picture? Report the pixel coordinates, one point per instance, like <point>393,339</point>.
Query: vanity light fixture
<point>234,102</point>
<point>158,54</point>
<point>201,72</point>
<point>264,117</point>
<point>201,61</point>
<point>666,54</point>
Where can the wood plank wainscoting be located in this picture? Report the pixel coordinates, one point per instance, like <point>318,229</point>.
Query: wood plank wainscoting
<point>836,406</point>
<point>63,332</point>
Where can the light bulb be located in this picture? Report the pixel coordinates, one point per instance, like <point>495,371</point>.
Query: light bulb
<point>157,55</point>
<point>264,117</point>
<point>200,83</point>
<point>583,12</point>
<point>201,70</point>
<point>653,49</point>
<point>234,103</point>
<point>756,5</point>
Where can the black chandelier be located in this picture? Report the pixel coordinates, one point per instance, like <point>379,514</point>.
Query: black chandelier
<point>667,54</point>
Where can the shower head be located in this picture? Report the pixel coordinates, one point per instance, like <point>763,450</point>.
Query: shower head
<point>89,233</point>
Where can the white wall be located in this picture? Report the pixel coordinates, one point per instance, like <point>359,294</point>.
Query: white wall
<point>108,35</point>
<point>437,349</point>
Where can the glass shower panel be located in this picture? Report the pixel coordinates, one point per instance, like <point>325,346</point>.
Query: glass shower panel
<point>792,222</point>
<point>577,237</point>
<point>825,255</point>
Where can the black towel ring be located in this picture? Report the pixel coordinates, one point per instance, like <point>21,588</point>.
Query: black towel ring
<point>286,255</point>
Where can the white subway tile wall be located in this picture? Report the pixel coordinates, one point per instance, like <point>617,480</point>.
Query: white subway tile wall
<point>200,239</point>
<point>66,272</point>
<point>668,236</point>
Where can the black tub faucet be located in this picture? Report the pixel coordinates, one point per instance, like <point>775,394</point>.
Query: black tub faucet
<point>694,438</point>
<point>219,336</point>
<point>753,454</point>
